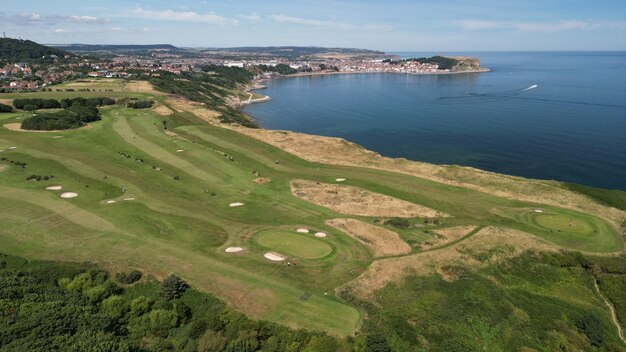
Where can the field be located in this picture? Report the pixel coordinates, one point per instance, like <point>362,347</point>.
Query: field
<point>161,201</point>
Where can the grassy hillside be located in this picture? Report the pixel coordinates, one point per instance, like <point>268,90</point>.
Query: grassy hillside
<point>164,191</point>
<point>14,50</point>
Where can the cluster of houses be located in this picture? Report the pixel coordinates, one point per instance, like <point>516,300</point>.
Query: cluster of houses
<point>22,76</point>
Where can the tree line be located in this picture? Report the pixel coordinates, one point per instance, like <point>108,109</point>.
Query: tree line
<point>76,112</point>
<point>51,306</point>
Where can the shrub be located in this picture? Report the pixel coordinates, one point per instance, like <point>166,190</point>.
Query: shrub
<point>173,287</point>
<point>376,343</point>
<point>591,326</point>
<point>140,104</point>
<point>5,108</point>
<point>398,222</point>
<point>129,277</point>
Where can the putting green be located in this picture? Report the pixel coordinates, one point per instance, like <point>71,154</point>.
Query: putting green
<point>291,243</point>
<point>563,223</point>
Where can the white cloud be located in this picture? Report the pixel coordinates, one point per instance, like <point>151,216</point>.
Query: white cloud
<point>35,18</point>
<point>61,30</point>
<point>170,15</point>
<point>251,17</point>
<point>554,27</point>
<point>84,18</point>
<point>329,24</point>
<point>543,27</point>
<point>473,25</point>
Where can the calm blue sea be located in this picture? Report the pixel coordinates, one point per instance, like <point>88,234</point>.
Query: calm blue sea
<point>571,127</point>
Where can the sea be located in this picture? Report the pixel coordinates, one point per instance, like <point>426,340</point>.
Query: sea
<point>543,115</point>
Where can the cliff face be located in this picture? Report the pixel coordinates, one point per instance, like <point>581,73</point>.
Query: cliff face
<point>466,64</point>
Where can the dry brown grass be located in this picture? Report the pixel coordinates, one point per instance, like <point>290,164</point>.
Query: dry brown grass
<point>162,110</point>
<point>6,102</point>
<point>447,235</point>
<point>262,180</point>
<point>357,201</point>
<point>495,243</point>
<point>197,109</point>
<point>380,241</point>
<point>141,87</point>
<point>338,151</point>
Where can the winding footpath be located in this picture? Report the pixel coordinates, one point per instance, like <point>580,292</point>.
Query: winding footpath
<point>620,333</point>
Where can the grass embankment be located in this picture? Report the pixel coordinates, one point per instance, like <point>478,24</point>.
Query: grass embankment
<point>172,190</point>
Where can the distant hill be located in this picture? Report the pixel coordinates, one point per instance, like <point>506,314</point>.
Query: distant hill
<point>296,51</point>
<point>94,48</point>
<point>248,51</point>
<point>12,50</point>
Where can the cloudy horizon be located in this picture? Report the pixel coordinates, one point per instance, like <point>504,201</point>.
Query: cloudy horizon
<point>397,25</point>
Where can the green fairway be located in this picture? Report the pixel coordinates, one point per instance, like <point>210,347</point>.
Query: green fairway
<point>293,244</point>
<point>172,190</point>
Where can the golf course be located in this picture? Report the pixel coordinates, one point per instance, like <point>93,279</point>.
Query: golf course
<point>168,189</point>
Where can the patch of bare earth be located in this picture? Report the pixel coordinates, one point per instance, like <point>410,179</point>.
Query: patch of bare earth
<point>488,245</point>
<point>262,180</point>
<point>357,201</point>
<point>380,241</point>
<point>338,151</point>
<point>446,235</point>
<point>6,102</point>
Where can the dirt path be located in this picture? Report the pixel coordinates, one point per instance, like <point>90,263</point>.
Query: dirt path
<point>613,314</point>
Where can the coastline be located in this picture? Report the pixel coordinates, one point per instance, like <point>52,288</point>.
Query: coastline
<point>309,74</point>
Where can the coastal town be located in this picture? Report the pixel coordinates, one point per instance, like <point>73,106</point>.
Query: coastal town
<point>29,76</point>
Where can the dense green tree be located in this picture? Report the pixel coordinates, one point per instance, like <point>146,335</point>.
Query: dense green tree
<point>591,326</point>
<point>173,287</point>
<point>376,342</point>
<point>129,277</point>
<point>211,341</point>
<point>5,108</point>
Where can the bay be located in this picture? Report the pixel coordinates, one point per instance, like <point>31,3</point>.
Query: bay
<point>545,115</point>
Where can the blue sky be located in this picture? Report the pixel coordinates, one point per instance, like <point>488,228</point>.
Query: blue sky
<point>391,25</point>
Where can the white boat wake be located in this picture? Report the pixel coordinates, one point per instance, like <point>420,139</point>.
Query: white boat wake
<point>529,88</point>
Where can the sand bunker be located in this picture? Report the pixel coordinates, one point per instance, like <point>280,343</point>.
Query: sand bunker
<point>273,257</point>
<point>12,147</point>
<point>54,188</point>
<point>236,204</point>
<point>538,211</point>
<point>320,234</point>
<point>381,241</point>
<point>129,198</point>
<point>233,249</point>
<point>302,230</point>
<point>179,150</point>
<point>357,201</point>
<point>69,195</point>
<point>111,201</point>
<point>340,179</point>
<point>57,137</point>
<point>262,180</point>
